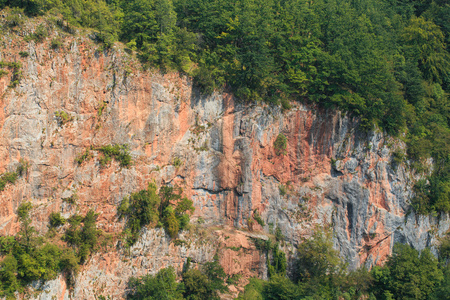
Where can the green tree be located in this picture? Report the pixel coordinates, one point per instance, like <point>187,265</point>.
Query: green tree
<point>216,275</point>
<point>280,287</point>
<point>171,223</point>
<point>8,280</point>
<point>140,209</point>
<point>166,16</point>
<point>204,284</point>
<point>443,290</point>
<point>48,256</point>
<point>425,42</point>
<point>279,263</point>
<point>55,219</point>
<point>253,290</point>
<point>139,23</point>
<point>197,286</point>
<point>316,258</point>
<point>26,230</point>
<point>163,285</point>
<point>83,238</point>
<point>408,274</point>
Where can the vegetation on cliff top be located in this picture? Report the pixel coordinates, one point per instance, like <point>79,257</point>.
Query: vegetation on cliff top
<point>386,61</point>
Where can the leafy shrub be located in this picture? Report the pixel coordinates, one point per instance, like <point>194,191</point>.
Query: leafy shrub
<point>24,54</point>
<point>22,168</point>
<point>280,144</point>
<point>279,235</point>
<point>280,287</point>
<point>254,290</point>
<point>163,285</point>
<point>13,83</point>
<point>83,156</point>
<point>56,43</point>
<point>16,17</point>
<point>101,108</point>
<point>316,259</point>
<point>285,105</point>
<point>171,223</point>
<point>56,220</point>
<point>333,163</point>
<point>398,156</point>
<point>119,152</point>
<point>16,72</point>
<point>83,237</point>
<point>140,209</point>
<point>72,199</point>
<point>278,264</point>
<point>177,162</point>
<point>69,263</point>
<point>63,117</point>
<point>407,274</point>
<point>39,34</point>
<point>258,218</point>
<point>147,207</point>
<point>233,279</point>
<point>283,189</point>
<point>444,248</point>
<point>9,282</point>
<point>8,177</point>
<point>263,245</point>
<point>421,200</point>
<point>204,283</point>
<point>182,210</point>
<point>178,242</point>
<point>27,258</point>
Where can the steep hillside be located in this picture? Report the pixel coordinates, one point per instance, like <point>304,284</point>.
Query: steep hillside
<point>248,169</point>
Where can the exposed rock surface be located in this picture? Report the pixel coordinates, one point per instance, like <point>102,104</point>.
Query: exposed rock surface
<point>330,174</point>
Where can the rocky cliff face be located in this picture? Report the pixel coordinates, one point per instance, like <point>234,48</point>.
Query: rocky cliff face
<point>220,151</point>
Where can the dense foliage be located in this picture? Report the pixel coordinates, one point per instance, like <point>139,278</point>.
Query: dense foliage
<point>83,237</point>
<point>119,152</point>
<point>28,257</point>
<point>197,284</point>
<point>386,61</point>
<point>166,209</point>
<point>407,275</point>
<point>161,286</point>
<point>319,273</point>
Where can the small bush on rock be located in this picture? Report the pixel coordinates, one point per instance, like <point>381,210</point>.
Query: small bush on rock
<point>280,144</point>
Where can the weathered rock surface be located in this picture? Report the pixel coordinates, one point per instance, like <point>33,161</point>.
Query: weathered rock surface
<point>330,175</point>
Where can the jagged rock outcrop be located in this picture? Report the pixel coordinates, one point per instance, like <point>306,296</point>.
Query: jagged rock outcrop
<point>220,151</point>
